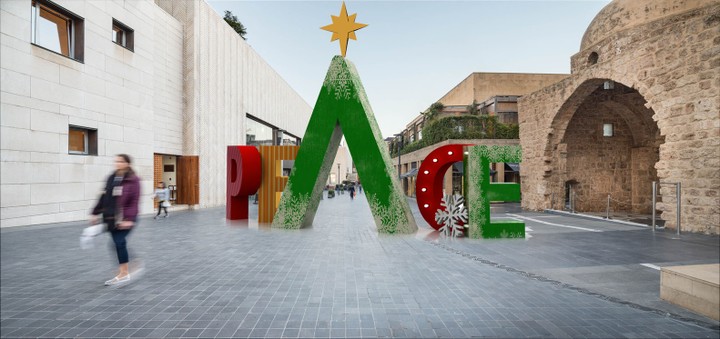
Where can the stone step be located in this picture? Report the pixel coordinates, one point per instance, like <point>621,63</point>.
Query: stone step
<point>694,287</point>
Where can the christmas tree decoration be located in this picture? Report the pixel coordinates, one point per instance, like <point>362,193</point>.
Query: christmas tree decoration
<point>480,191</point>
<point>343,107</point>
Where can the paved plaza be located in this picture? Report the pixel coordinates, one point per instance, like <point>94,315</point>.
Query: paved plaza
<point>208,277</point>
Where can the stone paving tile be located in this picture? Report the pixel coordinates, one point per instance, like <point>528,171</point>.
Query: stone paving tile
<point>207,277</point>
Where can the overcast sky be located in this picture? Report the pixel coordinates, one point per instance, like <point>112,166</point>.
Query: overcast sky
<point>414,52</point>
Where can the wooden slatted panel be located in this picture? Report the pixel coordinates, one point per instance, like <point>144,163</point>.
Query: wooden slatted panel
<point>188,181</point>
<point>157,170</point>
<point>272,180</point>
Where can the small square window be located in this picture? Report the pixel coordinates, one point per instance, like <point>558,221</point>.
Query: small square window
<point>123,35</point>
<point>57,29</point>
<point>82,141</point>
<point>607,130</point>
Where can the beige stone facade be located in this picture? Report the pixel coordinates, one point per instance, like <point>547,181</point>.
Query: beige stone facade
<point>184,90</point>
<point>481,86</point>
<point>495,94</point>
<point>652,70</point>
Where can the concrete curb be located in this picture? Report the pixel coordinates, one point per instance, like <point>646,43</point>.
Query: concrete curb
<point>592,217</point>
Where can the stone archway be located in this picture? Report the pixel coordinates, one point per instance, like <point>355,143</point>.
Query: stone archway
<point>621,165</point>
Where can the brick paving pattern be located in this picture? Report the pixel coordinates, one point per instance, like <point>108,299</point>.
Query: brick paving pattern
<point>208,277</point>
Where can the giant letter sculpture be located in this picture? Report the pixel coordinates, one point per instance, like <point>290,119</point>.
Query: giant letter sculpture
<point>429,186</point>
<point>243,179</point>
<point>481,192</point>
<point>272,180</point>
<point>342,101</point>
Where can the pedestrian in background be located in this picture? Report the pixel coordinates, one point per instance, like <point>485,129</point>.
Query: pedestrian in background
<point>119,208</point>
<point>352,192</point>
<point>162,193</point>
<point>360,187</point>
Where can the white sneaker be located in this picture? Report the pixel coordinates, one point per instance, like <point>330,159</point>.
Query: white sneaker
<point>118,281</point>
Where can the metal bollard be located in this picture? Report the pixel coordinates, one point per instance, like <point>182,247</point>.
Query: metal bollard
<point>679,206</point>
<point>607,210</point>
<point>654,200</point>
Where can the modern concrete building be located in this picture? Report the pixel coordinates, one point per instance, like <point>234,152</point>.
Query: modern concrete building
<point>168,82</point>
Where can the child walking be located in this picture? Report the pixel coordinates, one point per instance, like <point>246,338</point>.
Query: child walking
<point>162,193</point>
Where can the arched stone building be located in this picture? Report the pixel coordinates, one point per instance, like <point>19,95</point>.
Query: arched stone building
<point>652,70</point>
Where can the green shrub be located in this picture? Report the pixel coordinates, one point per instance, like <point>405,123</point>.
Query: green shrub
<point>461,127</point>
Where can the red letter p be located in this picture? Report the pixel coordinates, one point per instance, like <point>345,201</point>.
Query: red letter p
<point>243,179</point>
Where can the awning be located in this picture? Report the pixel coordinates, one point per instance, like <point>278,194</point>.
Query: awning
<point>411,173</point>
<point>459,168</point>
<point>511,166</point>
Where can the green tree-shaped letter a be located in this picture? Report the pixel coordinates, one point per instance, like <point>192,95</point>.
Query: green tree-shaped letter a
<point>343,103</point>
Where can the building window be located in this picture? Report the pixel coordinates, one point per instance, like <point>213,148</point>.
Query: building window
<point>508,118</point>
<point>593,58</point>
<point>57,29</point>
<point>82,140</point>
<point>607,130</point>
<point>258,133</point>
<point>123,35</point>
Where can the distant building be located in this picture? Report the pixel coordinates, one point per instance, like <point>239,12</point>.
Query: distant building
<point>342,166</point>
<point>493,94</point>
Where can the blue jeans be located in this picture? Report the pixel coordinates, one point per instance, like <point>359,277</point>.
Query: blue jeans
<point>119,238</point>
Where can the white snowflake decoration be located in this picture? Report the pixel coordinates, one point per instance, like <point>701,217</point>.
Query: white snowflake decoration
<point>453,217</point>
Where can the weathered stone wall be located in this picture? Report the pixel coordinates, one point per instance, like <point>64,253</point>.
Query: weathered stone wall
<point>674,64</point>
<point>620,166</point>
<point>599,165</point>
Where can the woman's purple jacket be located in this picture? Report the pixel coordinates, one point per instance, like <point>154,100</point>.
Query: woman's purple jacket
<point>128,201</point>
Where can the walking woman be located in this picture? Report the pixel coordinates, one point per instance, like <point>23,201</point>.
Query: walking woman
<point>162,193</point>
<point>119,208</point>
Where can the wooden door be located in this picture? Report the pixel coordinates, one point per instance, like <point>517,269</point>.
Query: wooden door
<point>188,180</point>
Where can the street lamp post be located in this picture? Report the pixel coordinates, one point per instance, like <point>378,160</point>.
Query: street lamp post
<point>279,136</point>
<point>338,177</point>
<point>399,148</point>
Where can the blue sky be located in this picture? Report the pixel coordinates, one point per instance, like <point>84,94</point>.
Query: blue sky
<point>413,52</point>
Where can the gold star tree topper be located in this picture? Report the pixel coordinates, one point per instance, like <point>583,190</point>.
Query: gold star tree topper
<point>343,28</point>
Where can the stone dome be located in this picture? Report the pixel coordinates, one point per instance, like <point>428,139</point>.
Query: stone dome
<point>623,14</point>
